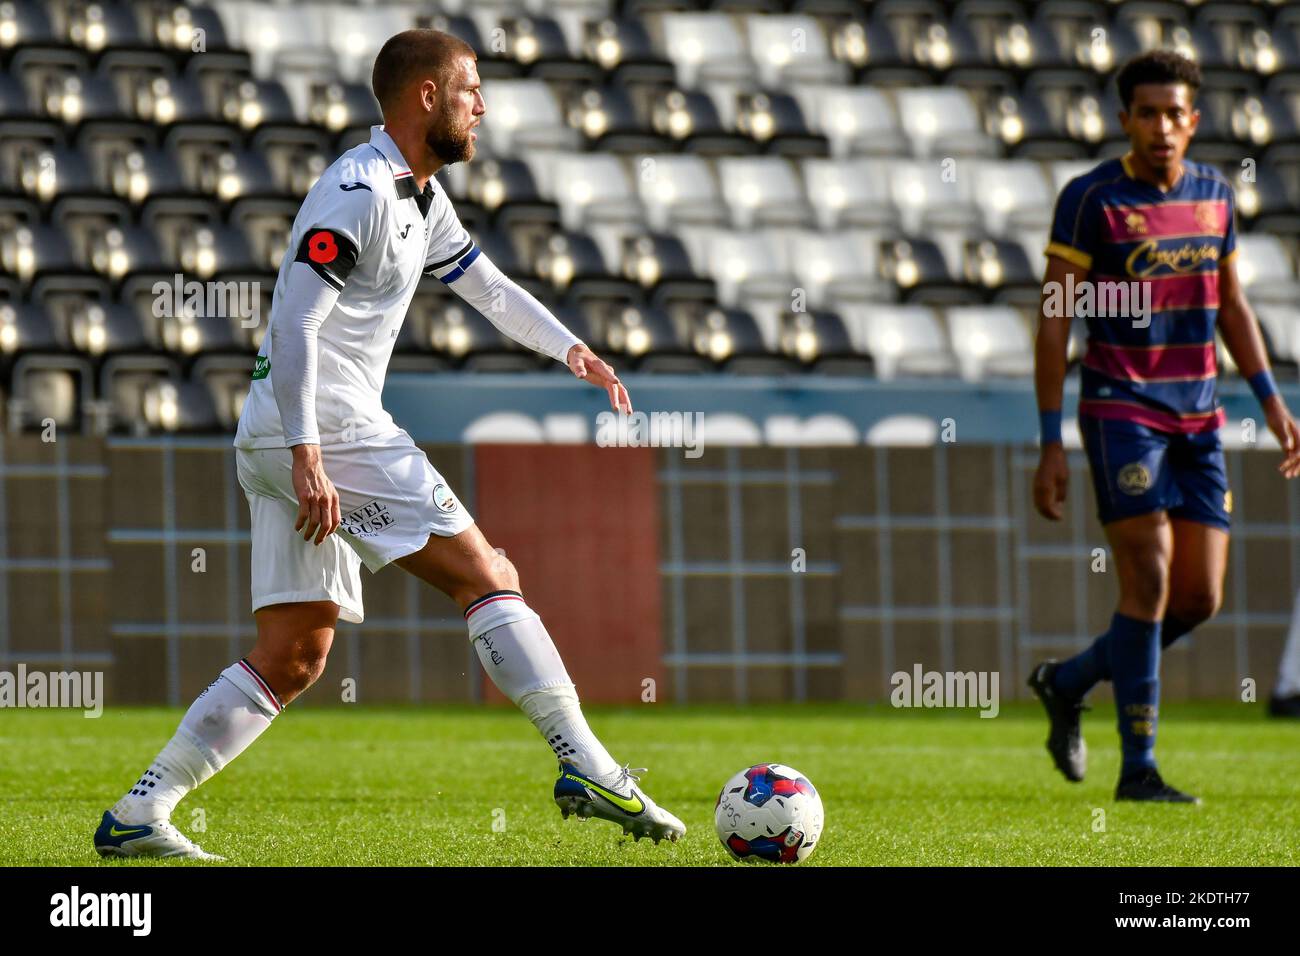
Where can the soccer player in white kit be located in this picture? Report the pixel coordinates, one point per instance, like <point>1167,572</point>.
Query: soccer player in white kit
<point>332,482</point>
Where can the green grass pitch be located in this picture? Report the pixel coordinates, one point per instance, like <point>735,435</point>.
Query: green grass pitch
<point>459,785</point>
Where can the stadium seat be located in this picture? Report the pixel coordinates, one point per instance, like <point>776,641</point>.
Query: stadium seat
<point>538,44</point>
<point>832,267</point>
<point>731,338</point>
<point>1267,270</point>
<point>856,121</point>
<point>295,155</point>
<point>648,338</point>
<point>1082,40</point>
<point>763,191</point>
<point>933,195</point>
<point>128,382</point>
<point>990,341</point>
<point>26,23</point>
<point>622,45</point>
<point>1002,267</point>
<point>266,225</point>
<point>525,117</point>
<point>693,118</point>
<point>266,30</point>
<point>918,267</point>
<point>24,327</point>
<point>792,51</point>
<point>99,329</point>
<point>46,173</point>
<point>775,122</point>
<point>1071,100</point>
<point>50,387</point>
<point>1281,325</point>
<point>818,339</point>
<point>227,380</point>
<point>31,252</point>
<point>705,48</point>
<point>1020,121</point>
<point>743,264</point>
<point>925,37</point>
<point>939,118</point>
<point>678,189</point>
<point>1012,195</point>
<point>588,187</point>
<point>901,339</point>
<point>609,122</point>
<point>849,192</point>
<point>1003,36</point>
<point>668,175</point>
<point>354,35</point>
<point>653,259</point>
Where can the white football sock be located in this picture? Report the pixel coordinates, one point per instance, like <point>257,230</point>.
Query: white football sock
<point>1288,671</point>
<point>522,661</point>
<point>229,715</point>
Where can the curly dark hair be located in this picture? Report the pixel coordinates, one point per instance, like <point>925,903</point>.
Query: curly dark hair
<point>1157,66</point>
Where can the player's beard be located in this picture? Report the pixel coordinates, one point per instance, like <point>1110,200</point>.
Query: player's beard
<point>449,141</point>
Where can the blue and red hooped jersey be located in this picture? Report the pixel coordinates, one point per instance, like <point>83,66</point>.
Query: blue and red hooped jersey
<point>1122,229</point>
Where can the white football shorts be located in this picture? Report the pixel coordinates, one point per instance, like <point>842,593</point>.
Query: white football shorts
<point>391,500</point>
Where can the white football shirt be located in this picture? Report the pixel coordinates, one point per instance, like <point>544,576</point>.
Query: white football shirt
<point>369,235</point>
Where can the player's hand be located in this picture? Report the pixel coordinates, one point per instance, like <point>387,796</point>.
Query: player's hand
<point>1283,426</point>
<point>1051,481</point>
<point>318,501</point>
<point>584,363</point>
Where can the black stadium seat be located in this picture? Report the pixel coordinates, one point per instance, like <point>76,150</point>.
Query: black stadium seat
<point>660,172</point>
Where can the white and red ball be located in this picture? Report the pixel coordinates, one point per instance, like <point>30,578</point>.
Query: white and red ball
<point>769,812</point>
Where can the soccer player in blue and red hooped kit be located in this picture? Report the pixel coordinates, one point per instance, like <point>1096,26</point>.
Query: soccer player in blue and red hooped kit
<point>1148,413</point>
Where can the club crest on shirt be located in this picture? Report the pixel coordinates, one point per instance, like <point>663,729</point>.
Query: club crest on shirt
<point>443,498</point>
<point>1207,216</point>
<point>1133,478</point>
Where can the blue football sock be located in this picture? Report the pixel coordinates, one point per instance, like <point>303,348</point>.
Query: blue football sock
<point>1078,675</point>
<point>1135,668</point>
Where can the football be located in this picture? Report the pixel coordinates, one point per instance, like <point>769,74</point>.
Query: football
<point>769,812</point>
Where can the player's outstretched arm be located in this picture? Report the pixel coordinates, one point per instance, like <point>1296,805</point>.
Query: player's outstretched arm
<point>1242,338</point>
<point>1051,345</point>
<point>518,314</point>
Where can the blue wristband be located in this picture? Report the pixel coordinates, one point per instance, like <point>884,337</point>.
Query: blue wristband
<point>1262,384</point>
<point>1049,427</point>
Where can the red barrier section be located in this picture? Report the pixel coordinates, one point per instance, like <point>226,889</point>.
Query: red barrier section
<point>581,523</point>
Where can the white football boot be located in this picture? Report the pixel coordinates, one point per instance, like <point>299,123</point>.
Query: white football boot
<point>619,800</point>
<point>159,838</point>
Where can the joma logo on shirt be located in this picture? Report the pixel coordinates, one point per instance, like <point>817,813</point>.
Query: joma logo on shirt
<point>370,518</point>
<point>1148,257</point>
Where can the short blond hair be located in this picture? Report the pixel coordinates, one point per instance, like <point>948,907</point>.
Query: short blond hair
<point>414,55</point>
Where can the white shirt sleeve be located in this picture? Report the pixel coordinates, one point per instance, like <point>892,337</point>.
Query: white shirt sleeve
<point>344,225</point>
<point>511,308</point>
<point>455,259</point>
<point>304,303</point>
